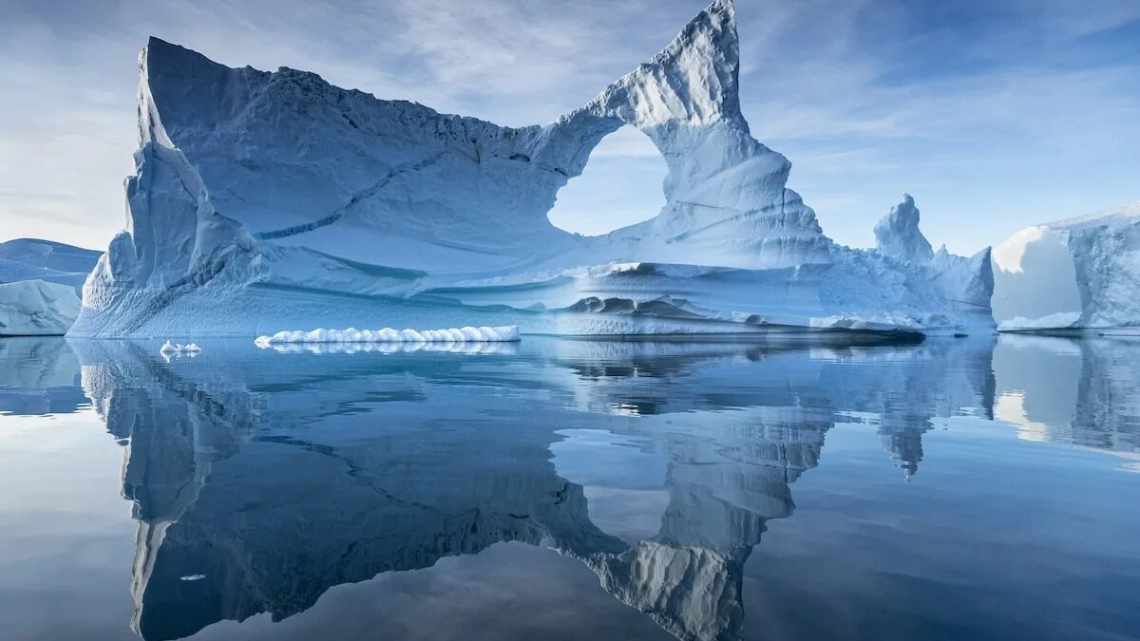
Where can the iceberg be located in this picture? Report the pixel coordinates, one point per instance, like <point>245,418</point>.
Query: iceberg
<point>276,198</point>
<point>37,308</point>
<point>36,259</point>
<point>1075,274</point>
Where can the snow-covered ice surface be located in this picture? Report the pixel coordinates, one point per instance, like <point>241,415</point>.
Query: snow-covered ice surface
<point>263,200</point>
<point>1081,273</point>
<point>36,307</point>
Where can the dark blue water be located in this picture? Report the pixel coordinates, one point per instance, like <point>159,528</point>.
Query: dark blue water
<point>560,489</point>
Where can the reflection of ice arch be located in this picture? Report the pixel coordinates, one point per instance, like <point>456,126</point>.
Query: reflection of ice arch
<point>411,457</point>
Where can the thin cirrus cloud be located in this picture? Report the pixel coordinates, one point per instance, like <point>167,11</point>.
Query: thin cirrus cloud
<point>994,115</point>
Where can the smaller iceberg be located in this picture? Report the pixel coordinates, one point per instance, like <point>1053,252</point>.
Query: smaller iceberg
<point>178,350</point>
<point>506,333</point>
<point>37,308</point>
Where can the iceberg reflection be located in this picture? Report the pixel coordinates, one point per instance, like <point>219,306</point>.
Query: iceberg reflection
<point>38,376</point>
<point>270,480</point>
<point>1085,392</point>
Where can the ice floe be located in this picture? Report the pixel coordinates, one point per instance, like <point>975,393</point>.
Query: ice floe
<point>351,335</point>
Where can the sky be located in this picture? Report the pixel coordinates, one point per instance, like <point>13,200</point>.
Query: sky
<point>995,115</point>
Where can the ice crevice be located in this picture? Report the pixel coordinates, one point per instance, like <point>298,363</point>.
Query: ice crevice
<point>352,202</point>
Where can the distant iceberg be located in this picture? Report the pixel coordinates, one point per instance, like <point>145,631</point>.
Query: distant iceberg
<point>36,307</point>
<point>278,198</point>
<point>36,259</point>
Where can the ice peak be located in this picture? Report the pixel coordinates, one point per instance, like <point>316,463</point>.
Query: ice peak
<point>694,79</point>
<point>898,234</point>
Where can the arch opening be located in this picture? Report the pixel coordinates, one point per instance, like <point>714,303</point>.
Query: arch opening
<point>621,184</point>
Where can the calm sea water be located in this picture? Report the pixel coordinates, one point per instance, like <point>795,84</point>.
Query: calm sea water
<point>560,489</point>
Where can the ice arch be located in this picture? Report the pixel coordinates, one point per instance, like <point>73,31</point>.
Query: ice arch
<point>262,200</point>
<point>621,185</point>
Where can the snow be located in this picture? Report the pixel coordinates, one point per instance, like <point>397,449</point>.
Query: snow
<point>36,307</point>
<point>1085,268</point>
<point>466,334</point>
<point>1060,320</point>
<point>277,198</point>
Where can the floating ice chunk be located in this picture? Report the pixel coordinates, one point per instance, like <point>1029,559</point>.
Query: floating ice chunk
<point>452,347</point>
<point>170,351</point>
<point>1060,320</point>
<point>483,334</point>
<point>850,322</point>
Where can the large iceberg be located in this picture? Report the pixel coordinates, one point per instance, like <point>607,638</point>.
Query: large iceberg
<point>37,308</point>
<point>1076,274</point>
<point>263,200</point>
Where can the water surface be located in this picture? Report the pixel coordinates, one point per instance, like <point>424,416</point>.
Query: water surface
<point>560,489</point>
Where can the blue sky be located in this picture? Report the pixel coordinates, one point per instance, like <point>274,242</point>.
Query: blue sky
<point>995,115</point>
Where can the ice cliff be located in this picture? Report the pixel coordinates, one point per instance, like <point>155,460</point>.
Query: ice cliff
<point>1081,273</point>
<point>263,200</point>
